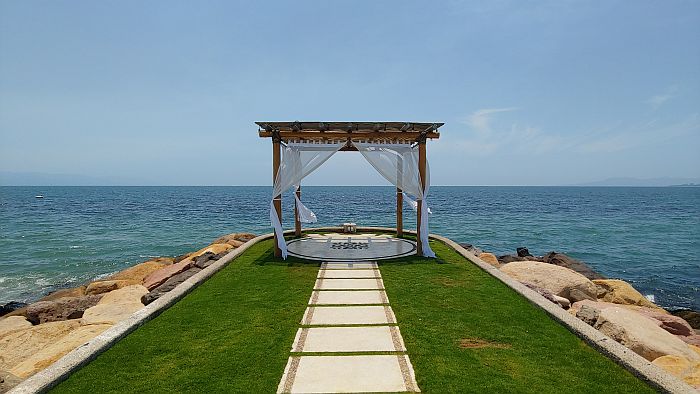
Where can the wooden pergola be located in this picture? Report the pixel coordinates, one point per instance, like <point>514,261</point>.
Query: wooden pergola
<point>374,132</point>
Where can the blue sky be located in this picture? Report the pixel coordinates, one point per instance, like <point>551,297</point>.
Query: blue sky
<point>532,93</point>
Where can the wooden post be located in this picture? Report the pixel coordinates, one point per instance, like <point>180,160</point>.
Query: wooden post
<point>399,212</point>
<point>277,200</point>
<point>297,222</point>
<point>399,198</point>
<point>421,170</point>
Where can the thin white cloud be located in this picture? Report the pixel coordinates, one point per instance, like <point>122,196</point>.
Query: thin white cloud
<point>660,99</point>
<point>480,120</point>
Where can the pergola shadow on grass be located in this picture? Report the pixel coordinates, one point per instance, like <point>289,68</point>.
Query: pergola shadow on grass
<point>464,330</point>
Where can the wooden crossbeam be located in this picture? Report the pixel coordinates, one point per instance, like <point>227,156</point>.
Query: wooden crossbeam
<point>354,136</point>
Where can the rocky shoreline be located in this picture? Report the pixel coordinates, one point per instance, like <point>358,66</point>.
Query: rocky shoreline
<point>669,339</point>
<point>34,336</point>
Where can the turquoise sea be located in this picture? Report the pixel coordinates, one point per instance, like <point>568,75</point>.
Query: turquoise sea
<point>647,236</point>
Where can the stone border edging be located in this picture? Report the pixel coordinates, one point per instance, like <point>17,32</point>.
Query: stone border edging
<point>81,356</point>
<point>59,371</point>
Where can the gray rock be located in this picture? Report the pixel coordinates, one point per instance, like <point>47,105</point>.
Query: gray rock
<point>168,285</point>
<point>61,309</point>
<point>472,249</point>
<point>588,314</point>
<point>563,260</point>
<point>11,307</point>
<point>691,316</point>
<point>523,252</point>
<point>203,260</point>
<point>509,258</point>
<point>207,259</point>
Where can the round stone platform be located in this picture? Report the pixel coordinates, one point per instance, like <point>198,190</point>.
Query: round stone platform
<point>342,247</point>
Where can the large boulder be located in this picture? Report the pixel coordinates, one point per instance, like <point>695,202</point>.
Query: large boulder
<point>559,280</point>
<point>115,306</point>
<point>159,277</point>
<point>214,248</point>
<point>229,239</point>
<point>73,292</point>
<point>62,346</point>
<point>680,367</point>
<point>127,294</point>
<point>169,285</point>
<point>235,239</point>
<point>136,274</point>
<point>641,335</point>
<point>673,324</point>
<point>562,260</point>
<point>11,324</point>
<point>490,258</point>
<point>60,309</point>
<point>22,344</point>
<point>207,259</point>
<point>620,292</point>
<point>105,286</point>
<point>8,381</point>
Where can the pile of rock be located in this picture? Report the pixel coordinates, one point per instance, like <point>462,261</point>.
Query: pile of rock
<point>613,307</point>
<point>34,336</point>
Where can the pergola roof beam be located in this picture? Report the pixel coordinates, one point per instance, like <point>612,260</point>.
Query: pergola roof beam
<point>403,131</point>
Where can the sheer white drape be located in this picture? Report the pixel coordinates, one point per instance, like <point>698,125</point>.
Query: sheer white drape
<point>413,204</point>
<point>297,161</point>
<point>398,164</point>
<point>305,214</point>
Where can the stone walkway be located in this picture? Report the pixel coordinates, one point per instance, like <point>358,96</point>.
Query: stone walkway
<point>348,340</point>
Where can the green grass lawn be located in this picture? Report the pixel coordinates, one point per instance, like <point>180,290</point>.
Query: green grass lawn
<point>231,334</point>
<point>465,332</point>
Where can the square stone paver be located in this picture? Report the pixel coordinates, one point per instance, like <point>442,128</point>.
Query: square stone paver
<point>348,374</point>
<point>349,339</point>
<point>345,315</point>
<point>344,265</point>
<point>335,274</point>
<point>349,284</point>
<point>348,297</point>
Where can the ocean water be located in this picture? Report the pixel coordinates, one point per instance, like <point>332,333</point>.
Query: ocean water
<point>647,236</point>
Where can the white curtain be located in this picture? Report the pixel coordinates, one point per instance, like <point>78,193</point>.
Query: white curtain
<point>398,164</point>
<point>413,204</point>
<point>305,214</point>
<point>297,161</point>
